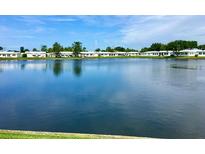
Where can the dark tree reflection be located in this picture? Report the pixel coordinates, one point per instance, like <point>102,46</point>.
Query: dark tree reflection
<point>77,67</point>
<point>57,67</point>
<point>23,66</point>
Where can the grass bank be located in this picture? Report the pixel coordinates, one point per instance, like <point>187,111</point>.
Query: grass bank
<point>17,134</point>
<point>100,57</point>
<point>73,58</point>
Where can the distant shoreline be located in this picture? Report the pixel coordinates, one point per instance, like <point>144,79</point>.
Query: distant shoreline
<point>20,134</point>
<point>111,57</point>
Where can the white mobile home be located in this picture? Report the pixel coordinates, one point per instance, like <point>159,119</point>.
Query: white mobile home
<point>89,54</point>
<point>132,53</point>
<point>157,53</point>
<point>33,54</point>
<point>66,54</point>
<point>201,53</point>
<point>166,53</point>
<point>5,54</point>
<point>61,54</point>
<point>150,53</point>
<point>106,54</point>
<point>191,52</point>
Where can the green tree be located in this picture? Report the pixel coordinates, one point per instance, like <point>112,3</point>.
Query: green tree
<point>77,48</point>
<point>109,49</point>
<point>34,49</point>
<point>84,49</point>
<point>1,48</point>
<point>120,49</point>
<point>50,50</point>
<point>44,48</point>
<point>22,49</point>
<point>130,50</point>
<point>178,45</point>
<point>202,47</point>
<point>144,49</point>
<point>157,47</point>
<point>163,47</point>
<point>57,48</point>
<point>97,50</point>
<point>68,49</point>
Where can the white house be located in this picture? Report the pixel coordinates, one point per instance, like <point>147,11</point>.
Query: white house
<point>132,53</point>
<point>150,53</point>
<point>157,53</point>
<point>61,54</point>
<point>5,54</point>
<point>201,53</point>
<point>41,54</point>
<point>106,54</point>
<point>89,54</point>
<point>94,54</point>
<point>32,54</point>
<point>191,52</point>
<point>66,54</point>
<point>166,53</point>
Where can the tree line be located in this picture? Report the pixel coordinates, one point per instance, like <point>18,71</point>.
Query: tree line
<point>176,45</point>
<point>116,49</point>
<point>77,47</point>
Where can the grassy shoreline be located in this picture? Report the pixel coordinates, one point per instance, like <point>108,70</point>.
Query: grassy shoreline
<point>110,57</point>
<point>20,134</point>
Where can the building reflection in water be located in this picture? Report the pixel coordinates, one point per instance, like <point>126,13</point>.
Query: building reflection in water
<point>57,67</point>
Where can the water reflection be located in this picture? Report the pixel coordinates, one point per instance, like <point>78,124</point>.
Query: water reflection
<point>57,67</point>
<point>141,97</point>
<point>23,66</point>
<point>77,67</point>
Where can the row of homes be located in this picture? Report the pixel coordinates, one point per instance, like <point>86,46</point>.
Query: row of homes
<point>29,54</point>
<point>186,52</point>
<point>41,54</point>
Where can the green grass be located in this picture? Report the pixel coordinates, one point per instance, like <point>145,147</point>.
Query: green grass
<point>101,57</point>
<point>189,57</point>
<point>36,58</point>
<point>15,134</point>
<point>73,58</point>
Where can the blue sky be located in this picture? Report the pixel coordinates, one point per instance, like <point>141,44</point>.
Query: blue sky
<point>98,31</point>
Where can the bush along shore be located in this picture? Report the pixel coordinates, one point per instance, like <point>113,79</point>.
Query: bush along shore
<point>19,134</point>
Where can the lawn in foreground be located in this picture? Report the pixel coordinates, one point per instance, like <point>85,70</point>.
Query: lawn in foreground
<point>16,134</point>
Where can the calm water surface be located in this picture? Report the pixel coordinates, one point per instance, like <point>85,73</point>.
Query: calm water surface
<point>142,97</point>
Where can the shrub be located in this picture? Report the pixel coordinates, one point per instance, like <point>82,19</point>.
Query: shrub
<point>24,55</point>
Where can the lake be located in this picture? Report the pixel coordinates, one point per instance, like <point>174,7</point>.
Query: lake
<point>162,98</point>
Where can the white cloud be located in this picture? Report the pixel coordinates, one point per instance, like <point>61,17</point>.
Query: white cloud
<point>39,29</point>
<point>62,19</point>
<point>162,28</point>
<point>102,31</point>
<point>103,21</point>
<point>30,20</point>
